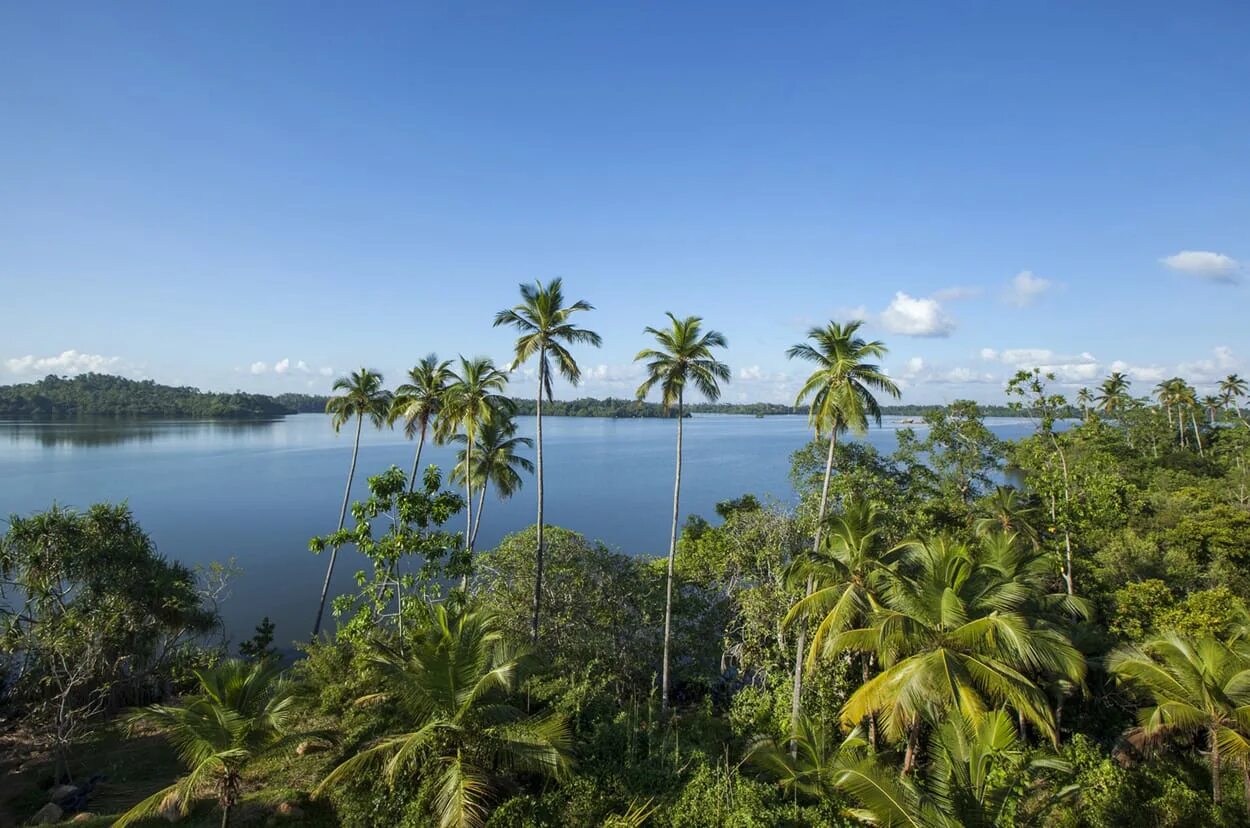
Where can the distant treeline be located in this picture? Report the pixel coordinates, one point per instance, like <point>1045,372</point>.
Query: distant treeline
<point>103,395</point>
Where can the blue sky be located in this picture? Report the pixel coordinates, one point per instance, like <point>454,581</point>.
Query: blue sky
<point>208,193</point>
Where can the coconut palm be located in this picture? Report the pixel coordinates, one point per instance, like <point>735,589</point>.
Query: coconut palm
<point>1085,399</point>
<point>684,357</point>
<point>971,780</point>
<point>839,395</point>
<point>240,712</point>
<point>473,398</point>
<point>1195,686</point>
<point>362,398</point>
<point>956,632</point>
<point>418,401</point>
<point>1232,389</point>
<point>495,461</point>
<point>1007,511</point>
<point>810,771</point>
<point>463,733</point>
<point>1113,394</point>
<point>543,322</point>
<point>1212,405</point>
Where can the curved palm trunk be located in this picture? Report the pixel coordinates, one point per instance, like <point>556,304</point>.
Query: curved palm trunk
<point>334,551</point>
<point>539,548</point>
<point>1197,436</point>
<point>468,506</point>
<point>477,519</point>
<point>416,462</point>
<point>672,554</point>
<point>802,639</point>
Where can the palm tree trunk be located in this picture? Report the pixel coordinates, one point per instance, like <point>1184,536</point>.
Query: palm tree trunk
<point>872,717</point>
<point>1215,767</point>
<point>225,815</point>
<point>672,554</point>
<point>802,637</point>
<point>334,550</point>
<point>468,507</point>
<point>416,462</point>
<point>1245,781</point>
<point>1197,436</point>
<point>539,549</point>
<point>913,739</point>
<point>477,519</point>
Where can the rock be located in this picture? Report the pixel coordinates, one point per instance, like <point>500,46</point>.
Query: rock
<point>309,747</point>
<point>62,792</point>
<point>290,810</point>
<point>171,807</point>
<point>85,816</point>
<point>47,815</point>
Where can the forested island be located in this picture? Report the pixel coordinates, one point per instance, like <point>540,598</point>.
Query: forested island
<point>105,395</point>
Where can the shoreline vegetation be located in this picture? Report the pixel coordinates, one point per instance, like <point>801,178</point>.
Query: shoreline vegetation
<point>106,395</point>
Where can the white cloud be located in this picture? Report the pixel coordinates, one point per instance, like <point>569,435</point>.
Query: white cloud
<point>957,292</point>
<point>1203,264</point>
<point>326,371</point>
<point>989,354</point>
<point>1209,371</point>
<point>1025,288</point>
<point>1140,373</point>
<point>1068,369</point>
<point>914,316</point>
<point>259,368</point>
<point>282,366</point>
<point>751,373</point>
<point>66,362</point>
<point>302,367</point>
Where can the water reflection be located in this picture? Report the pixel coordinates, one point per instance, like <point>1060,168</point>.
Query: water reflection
<point>95,432</point>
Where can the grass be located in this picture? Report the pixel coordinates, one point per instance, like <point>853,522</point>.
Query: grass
<point>137,765</point>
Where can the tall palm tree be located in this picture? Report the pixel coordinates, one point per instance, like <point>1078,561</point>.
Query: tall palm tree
<point>495,460</point>
<point>1212,404</point>
<point>1085,399</point>
<point>362,397</point>
<point>473,398</point>
<point>418,401</point>
<point>240,712</point>
<point>454,689</point>
<point>684,356</point>
<point>1232,389</point>
<point>543,322</point>
<point>1113,394</point>
<point>1196,686</point>
<point>839,393</point>
<point>953,633</point>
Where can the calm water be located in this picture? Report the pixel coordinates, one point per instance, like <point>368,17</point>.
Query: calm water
<point>257,491</point>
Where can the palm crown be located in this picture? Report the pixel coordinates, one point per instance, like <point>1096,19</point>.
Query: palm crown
<point>362,396</point>
<point>684,357</point>
<point>418,401</point>
<point>543,322</point>
<point>840,389</point>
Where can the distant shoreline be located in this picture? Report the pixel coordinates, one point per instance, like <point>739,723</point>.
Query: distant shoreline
<point>55,399</point>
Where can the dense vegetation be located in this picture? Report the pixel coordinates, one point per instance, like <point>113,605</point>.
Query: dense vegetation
<point>911,643</point>
<point>103,395</point>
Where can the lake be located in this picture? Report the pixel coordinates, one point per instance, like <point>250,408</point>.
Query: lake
<point>257,491</point>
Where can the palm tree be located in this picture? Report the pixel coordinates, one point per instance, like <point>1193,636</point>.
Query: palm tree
<point>971,779</point>
<point>840,397</point>
<point>454,692</point>
<point>1212,404</point>
<point>684,356</point>
<point>418,401</point>
<point>362,397</point>
<point>1085,399</point>
<point>1196,686</point>
<point>240,712</point>
<point>494,461</point>
<point>1232,389</point>
<point>1113,394</point>
<point>953,632</point>
<point>473,399</point>
<point>811,770</point>
<point>543,322</point>
<point>1005,510</point>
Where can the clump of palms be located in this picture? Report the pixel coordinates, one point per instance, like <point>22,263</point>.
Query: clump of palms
<point>240,712</point>
<point>466,735</point>
<point>546,330</point>
<point>1195,686</point>
<point>495,462</point>
<point>418,402</point>
<point>362,398</point>
<point>474,398</point>
<point>684,357</point>
<point>840,397</point>
<point>961,628</point>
